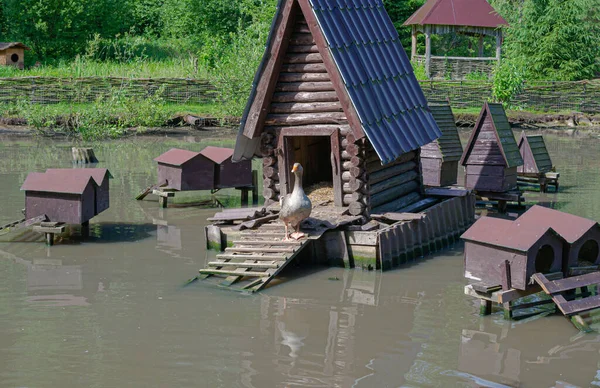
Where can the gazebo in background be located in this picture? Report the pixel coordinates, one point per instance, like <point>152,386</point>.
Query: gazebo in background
<point>468,17</point>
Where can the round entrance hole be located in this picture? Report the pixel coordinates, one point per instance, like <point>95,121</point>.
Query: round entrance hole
<point>14,57</point>
<point>544,259</point>
<point>588,253</point>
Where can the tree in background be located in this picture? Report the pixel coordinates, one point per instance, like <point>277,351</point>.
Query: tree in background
<point>552,39</point>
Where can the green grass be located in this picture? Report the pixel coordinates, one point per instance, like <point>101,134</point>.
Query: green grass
<point>142,68</point>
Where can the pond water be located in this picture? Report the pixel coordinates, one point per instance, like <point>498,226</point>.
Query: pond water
<point>113,311</point>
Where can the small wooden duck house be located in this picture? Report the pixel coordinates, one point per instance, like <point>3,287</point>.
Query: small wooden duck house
<point>209,169</point>
<point>439,159</point>
<point>227,173</point>
<point>581,234</point>
<point>535,155</point>
<point>499,251</point>
<point>341,98</point>
<point>100,175</point>
<point>491,157</point>
<point>13,54</point>
<point>62,197</point>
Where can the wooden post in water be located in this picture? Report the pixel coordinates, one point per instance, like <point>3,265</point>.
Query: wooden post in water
<point>486,307</point>
<point>83,155</point>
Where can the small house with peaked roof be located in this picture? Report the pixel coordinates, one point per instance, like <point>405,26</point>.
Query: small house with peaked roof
<point>100,175</point>
<point>536,159</point>
<point>467,17</point>
<point>336,92</point>
<point>490,242</point>
<point>439,159</point>
<point>491,157</point>
<point>62,197</point>
<point>581,234</point>
<point>13,54</point>
<point>209,169</point>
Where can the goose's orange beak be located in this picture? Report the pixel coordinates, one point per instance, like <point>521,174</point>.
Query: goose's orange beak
<point>295,168</point>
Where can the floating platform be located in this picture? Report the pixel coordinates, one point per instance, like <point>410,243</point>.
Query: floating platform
<point>574,296</point>
<point>501,199</point>
<point>254,253</point>
<point>543,179</point>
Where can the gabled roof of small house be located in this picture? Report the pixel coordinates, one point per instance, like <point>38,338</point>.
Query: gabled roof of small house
<point>507,234</point>
<point>7,45</point>
<point>370,72</point>
<point>447,147</point>
<point>176,157</point>
<point>537,146</point>
<point>57,182</point>
<point>99,174</point>
<point>569,226</point>
<point>474,13</point>
<point>217,154</point>
<point>496,116</point>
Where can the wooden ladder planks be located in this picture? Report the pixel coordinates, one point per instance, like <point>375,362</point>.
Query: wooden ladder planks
<point>148,190</point>
<point>557,289</point>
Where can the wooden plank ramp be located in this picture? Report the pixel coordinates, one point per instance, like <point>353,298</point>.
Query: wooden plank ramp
<point>260,254</point>
<point>20,224</point>
<point>148,190</point>
<point>562,291</point>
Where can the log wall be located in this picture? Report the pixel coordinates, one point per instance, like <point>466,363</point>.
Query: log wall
<point>304,100</point>
<point>394,186</point>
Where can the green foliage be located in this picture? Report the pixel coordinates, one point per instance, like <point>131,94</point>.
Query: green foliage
<point>477,76</point>
<point>419,70</point>
<point>553,39</point>
<point>400,11</point>
<point>508,81</point>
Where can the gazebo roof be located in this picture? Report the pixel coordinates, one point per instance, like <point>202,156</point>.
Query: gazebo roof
<point>472,13</point>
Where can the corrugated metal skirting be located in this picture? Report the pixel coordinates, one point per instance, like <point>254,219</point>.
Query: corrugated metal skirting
<point>442,226</point>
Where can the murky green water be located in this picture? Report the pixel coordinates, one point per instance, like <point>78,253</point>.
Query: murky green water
<point>111,311</point>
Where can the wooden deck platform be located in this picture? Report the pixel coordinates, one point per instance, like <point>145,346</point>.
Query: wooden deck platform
<point>260,253</point>
<point>544,180</point>
<point>573,296</point>
<point>501,199</point>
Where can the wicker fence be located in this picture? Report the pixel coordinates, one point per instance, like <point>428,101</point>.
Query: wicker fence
<point>582,96</point>
<point>47,90</point>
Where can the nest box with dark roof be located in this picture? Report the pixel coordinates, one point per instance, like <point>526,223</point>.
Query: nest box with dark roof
<point>491,156</point>
<point>439,159</point>
<point>536,159</point>
<point>492,241</point>
<point>541,240</point>
<point>209,169</point>
<point>13,54</point>
<point>72,196</point>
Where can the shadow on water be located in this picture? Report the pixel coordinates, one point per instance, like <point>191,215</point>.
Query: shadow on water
<point>110,233</point>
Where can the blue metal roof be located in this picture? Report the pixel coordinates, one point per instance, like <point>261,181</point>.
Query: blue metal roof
<point>377,74</point>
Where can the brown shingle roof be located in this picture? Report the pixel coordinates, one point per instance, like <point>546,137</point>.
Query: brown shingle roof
<point>570,227</point>
<point>507,234</point>
<point>99,174</point>
<point>57,182</point>
<point>7,45</point>
<point>176,157</point>
<point>217,154</point>
<point>474,13</point>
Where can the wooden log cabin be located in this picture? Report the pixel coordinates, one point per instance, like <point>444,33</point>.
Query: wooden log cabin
<point>491,156</point>
<point>341,98</point>
<point>439,159</point>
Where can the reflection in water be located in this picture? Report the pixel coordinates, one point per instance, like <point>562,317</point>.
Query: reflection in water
<point>92,313</point>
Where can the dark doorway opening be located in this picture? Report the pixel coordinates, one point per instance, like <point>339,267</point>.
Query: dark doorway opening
<point>544,259</point>
<point>588,254</point>
<point>314,154</point>
<point>14,58</point>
